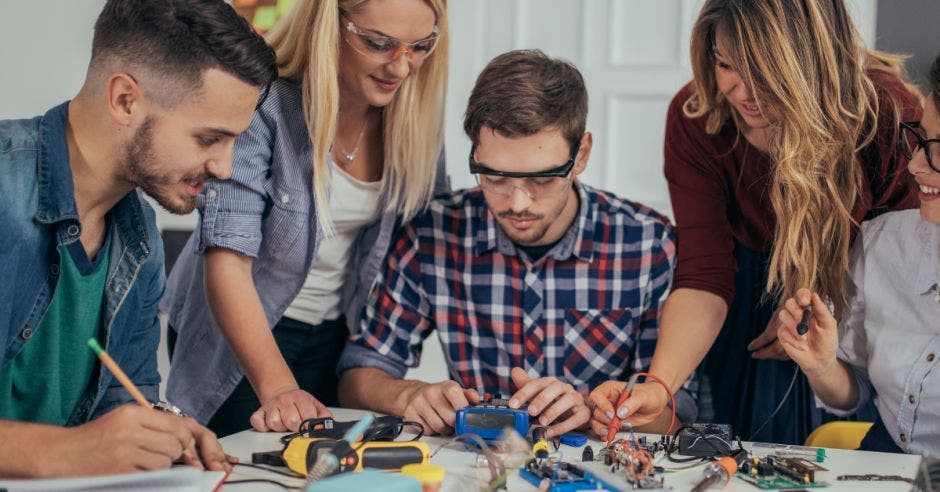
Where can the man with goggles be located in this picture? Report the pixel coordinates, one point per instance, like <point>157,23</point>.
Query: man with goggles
<point>539,287</point>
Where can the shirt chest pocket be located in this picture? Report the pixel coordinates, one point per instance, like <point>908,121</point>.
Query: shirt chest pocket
<point>287,225</point>
<point>598,344</point>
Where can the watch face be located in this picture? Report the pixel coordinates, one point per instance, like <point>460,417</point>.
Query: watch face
<point>169,408</point>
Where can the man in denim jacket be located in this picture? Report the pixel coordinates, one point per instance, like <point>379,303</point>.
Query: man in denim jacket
<point>169,87</point>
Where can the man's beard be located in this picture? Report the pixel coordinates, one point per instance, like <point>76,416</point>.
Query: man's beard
<point>141,169</point>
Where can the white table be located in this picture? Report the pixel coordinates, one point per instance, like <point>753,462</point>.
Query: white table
<point>462,475</point>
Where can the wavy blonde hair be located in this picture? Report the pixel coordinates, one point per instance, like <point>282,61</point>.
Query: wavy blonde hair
<point>807,66</point>
<point>307,41</point>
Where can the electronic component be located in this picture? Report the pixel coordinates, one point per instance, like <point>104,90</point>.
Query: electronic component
<point>561,477</point>
<point>775,472</point>
<point>587,454</point>
<point>539,444</point>
<point>720,472</point>
<point>302,452</point>
<point>704,440</point>
<point>634,459</point>
<point>488,419</point>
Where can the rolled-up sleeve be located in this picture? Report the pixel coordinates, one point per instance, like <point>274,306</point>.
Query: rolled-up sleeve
<point>231,211</point>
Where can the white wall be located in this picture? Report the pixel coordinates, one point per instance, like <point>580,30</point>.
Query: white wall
<point>633,54</point>
<point>45,46</point>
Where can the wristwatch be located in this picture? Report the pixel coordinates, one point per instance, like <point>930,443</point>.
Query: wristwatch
<point>169,408</point>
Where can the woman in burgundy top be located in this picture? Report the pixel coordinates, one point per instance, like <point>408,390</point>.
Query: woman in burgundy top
<point>784,141</point>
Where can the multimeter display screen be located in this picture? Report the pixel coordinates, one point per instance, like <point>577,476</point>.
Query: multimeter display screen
<point>490,420</point>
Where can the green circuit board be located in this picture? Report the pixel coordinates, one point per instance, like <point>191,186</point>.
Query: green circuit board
<point>778,482</point>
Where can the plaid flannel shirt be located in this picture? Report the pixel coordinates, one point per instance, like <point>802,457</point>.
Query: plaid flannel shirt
<point>586,312</point>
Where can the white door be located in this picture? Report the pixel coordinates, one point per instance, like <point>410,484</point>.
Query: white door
<point>633,55</point>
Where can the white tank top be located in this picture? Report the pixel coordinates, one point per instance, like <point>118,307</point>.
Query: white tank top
<point>354,204</point>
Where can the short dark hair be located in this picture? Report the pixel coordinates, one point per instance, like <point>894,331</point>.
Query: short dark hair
<point>182,39</point>
<point>933,79</point>
<point>521,92</point>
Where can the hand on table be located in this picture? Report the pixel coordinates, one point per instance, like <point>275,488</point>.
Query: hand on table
<point>435,406</point>
<point>285,411</point>
<point>555,404</point>
<point>133,438</point>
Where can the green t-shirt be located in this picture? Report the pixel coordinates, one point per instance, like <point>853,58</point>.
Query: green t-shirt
<point>45,381</point>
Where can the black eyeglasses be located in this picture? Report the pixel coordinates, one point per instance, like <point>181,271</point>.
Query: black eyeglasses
<point>537,184</point>
<point>912,139</point>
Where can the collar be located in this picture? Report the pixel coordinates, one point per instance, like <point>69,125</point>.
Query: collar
<point>927,277</point>
<point>578,241</point>
<point>56,191</point>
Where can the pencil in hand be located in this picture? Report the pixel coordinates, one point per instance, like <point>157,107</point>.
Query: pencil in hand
<point>119,374</point>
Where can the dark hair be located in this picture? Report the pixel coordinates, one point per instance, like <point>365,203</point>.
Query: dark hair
<point>933,79</point>
<point>519,93</point>
<point>182,39</point>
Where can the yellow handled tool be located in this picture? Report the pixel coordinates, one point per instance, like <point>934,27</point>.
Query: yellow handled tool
<point>301,452</point>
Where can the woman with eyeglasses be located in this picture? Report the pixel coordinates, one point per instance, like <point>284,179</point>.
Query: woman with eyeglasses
<point>782,143</point>
<point>890,339</point>
<point>347,143</point>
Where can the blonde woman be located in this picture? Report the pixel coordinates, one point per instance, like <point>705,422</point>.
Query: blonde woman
<point>784,141</point>
<point>346,144</point>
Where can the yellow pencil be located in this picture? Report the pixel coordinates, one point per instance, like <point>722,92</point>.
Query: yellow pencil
<point>125,381</point>
<point>119,374</point>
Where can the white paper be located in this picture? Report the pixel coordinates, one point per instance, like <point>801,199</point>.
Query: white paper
<point>179,479</point>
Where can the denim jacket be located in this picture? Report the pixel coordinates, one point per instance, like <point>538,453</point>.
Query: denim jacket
<point>40,219</point>
<point>265,211</point>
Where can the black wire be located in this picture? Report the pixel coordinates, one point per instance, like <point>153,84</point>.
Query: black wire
<point>703,436</point>
<point>796,370</point>
<point>272,470</point>
<point>373,433</point>
<point>261,480</point>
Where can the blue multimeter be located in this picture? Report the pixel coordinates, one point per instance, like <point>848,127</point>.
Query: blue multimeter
<point>488,419</point>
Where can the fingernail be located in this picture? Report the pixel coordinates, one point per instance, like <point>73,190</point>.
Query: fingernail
<point>514,403</point>
<point>533,411</point>
<point>622,412</point>
<point>609,415</point>
<point>544,420</point>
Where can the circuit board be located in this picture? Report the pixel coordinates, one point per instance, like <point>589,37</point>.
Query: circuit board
<point>562,477</point>
<point>778,483</point>
<point>778,472</point>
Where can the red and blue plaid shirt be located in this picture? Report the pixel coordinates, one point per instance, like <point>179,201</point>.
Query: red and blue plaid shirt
<point>586,312</point>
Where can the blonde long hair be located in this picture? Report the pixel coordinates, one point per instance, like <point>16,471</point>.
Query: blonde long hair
<point>306,41</point>
<point>806,64</point>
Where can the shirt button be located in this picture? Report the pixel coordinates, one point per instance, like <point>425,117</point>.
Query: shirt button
<point>73,230</point>
<point>54,269</point>
<point>285,198</point>
<point>929,357</point>
<point>212,193</point>
<point>911,398</point>
<point>27,333</point>
<point>903,437</point>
